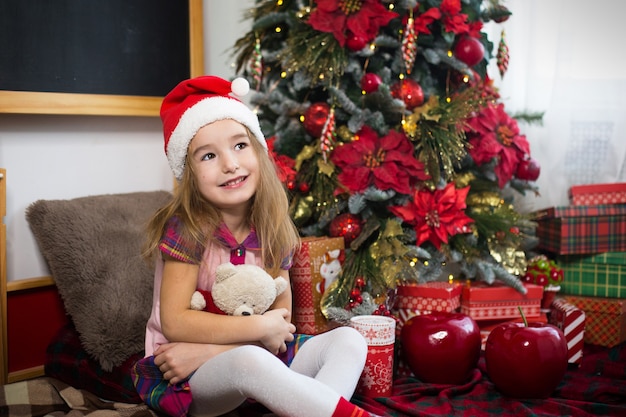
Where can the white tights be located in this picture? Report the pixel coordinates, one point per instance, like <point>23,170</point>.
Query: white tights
<point>325,368</point>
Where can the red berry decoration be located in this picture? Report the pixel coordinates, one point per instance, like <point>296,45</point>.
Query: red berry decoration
<point>370,82</point>
<point>304,187</point>
<point>528,170</point>
<point>347,225</point>
<point>315,118</point>
<point>355,43</point>
<point>409,91</point>
<point>359,282</point>
<point>469,50</point>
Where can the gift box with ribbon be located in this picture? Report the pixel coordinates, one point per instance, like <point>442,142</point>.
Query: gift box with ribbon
<point>316,265</point>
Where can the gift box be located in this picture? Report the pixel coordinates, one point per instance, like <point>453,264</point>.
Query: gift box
<point>487,326</point>
<point>481,301</point>
<point>315,267</point>
<point>588,195</point>
<point>415,299</point>
<point>571,230</point>
<point>571,320</point>
<point>605,319</point>
<point>429,296</point>
<point>599,275</point>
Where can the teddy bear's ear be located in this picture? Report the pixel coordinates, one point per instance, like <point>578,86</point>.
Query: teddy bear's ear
<point>223,271</point>
<point>197,301</point>
<point>281,285</point>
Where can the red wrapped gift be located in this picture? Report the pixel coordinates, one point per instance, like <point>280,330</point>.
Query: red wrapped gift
<point>315,266</point>
<point>429,296</point>
<point>415,299</point>
<point>482,301</point>
<point>571,320</point>
<point>591,194</point>
<point>605,319</point>
<point>582,229</point>
<point>487,326</point>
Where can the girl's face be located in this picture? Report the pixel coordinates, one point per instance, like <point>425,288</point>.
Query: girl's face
<point>225,164</point>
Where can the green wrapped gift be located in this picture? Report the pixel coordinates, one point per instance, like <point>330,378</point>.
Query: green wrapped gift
<point>599,275</point>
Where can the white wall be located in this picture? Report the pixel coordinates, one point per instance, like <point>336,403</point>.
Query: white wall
<point>566,59</point>
<point>60,157</point>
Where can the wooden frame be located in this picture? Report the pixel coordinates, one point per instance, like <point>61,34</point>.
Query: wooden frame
<point>3,278</point>
<point>27,102</point>
<point>51,315</point>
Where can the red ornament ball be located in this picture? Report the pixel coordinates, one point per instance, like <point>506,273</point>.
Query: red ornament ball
<point>315,118</point>
<point>356,43</point>
<point>528,170</point>
<point>409,91</point>
<point>469,50</point>
<point>370,82</point>
<point>347,225</point>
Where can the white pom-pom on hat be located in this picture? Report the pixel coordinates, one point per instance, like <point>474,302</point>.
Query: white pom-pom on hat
<point>240,86</point>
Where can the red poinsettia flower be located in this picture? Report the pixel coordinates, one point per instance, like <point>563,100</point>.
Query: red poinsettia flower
<point>386,162</point>
<point>421,21</point>
<point>494,134</point>
<point>361,18</point>
<point>453,20</point>
<point>475,29</point>
<point>437,215</point>
<point>284,164</point>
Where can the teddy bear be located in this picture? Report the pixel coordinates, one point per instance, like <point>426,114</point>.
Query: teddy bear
<point>241,290</point>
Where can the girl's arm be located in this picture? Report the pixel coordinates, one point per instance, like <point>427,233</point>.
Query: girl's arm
<point>181,324</point>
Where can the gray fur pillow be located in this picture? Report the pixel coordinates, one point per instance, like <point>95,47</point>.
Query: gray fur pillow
<point>92,246</point>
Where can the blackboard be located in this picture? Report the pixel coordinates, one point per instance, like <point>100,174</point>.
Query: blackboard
<point>108,47</point>
<point>134,47</point>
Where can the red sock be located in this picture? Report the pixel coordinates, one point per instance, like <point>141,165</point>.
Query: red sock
<point>346,409</point>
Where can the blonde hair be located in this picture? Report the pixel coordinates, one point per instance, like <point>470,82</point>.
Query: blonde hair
<point>200,219</point>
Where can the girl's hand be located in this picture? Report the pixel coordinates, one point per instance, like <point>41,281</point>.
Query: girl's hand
<point>278,330</point>
<point>178,360</point>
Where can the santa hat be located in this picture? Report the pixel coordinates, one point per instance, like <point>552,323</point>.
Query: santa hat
<point>197,102</point>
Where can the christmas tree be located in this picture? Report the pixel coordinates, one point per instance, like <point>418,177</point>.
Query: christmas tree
<point>388,130</point>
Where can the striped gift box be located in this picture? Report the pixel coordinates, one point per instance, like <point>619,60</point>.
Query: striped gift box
<point>582,229</point>
<point>571,320</point>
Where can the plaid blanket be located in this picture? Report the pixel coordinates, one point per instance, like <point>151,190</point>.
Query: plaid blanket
<point>596,388</point>
<point>51,397</point>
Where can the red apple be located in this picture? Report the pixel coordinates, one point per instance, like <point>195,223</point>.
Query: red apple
<point>469,50</point>
<point>528,170</point>
<point>441,348</point>
<point>526,361</point>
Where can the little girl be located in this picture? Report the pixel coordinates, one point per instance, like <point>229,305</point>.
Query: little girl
<point>229,206</point>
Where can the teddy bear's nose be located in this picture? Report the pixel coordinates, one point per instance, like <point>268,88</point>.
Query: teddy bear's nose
<point>246,313</point>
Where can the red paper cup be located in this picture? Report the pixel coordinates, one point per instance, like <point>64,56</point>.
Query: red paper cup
<point>379,332</point>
